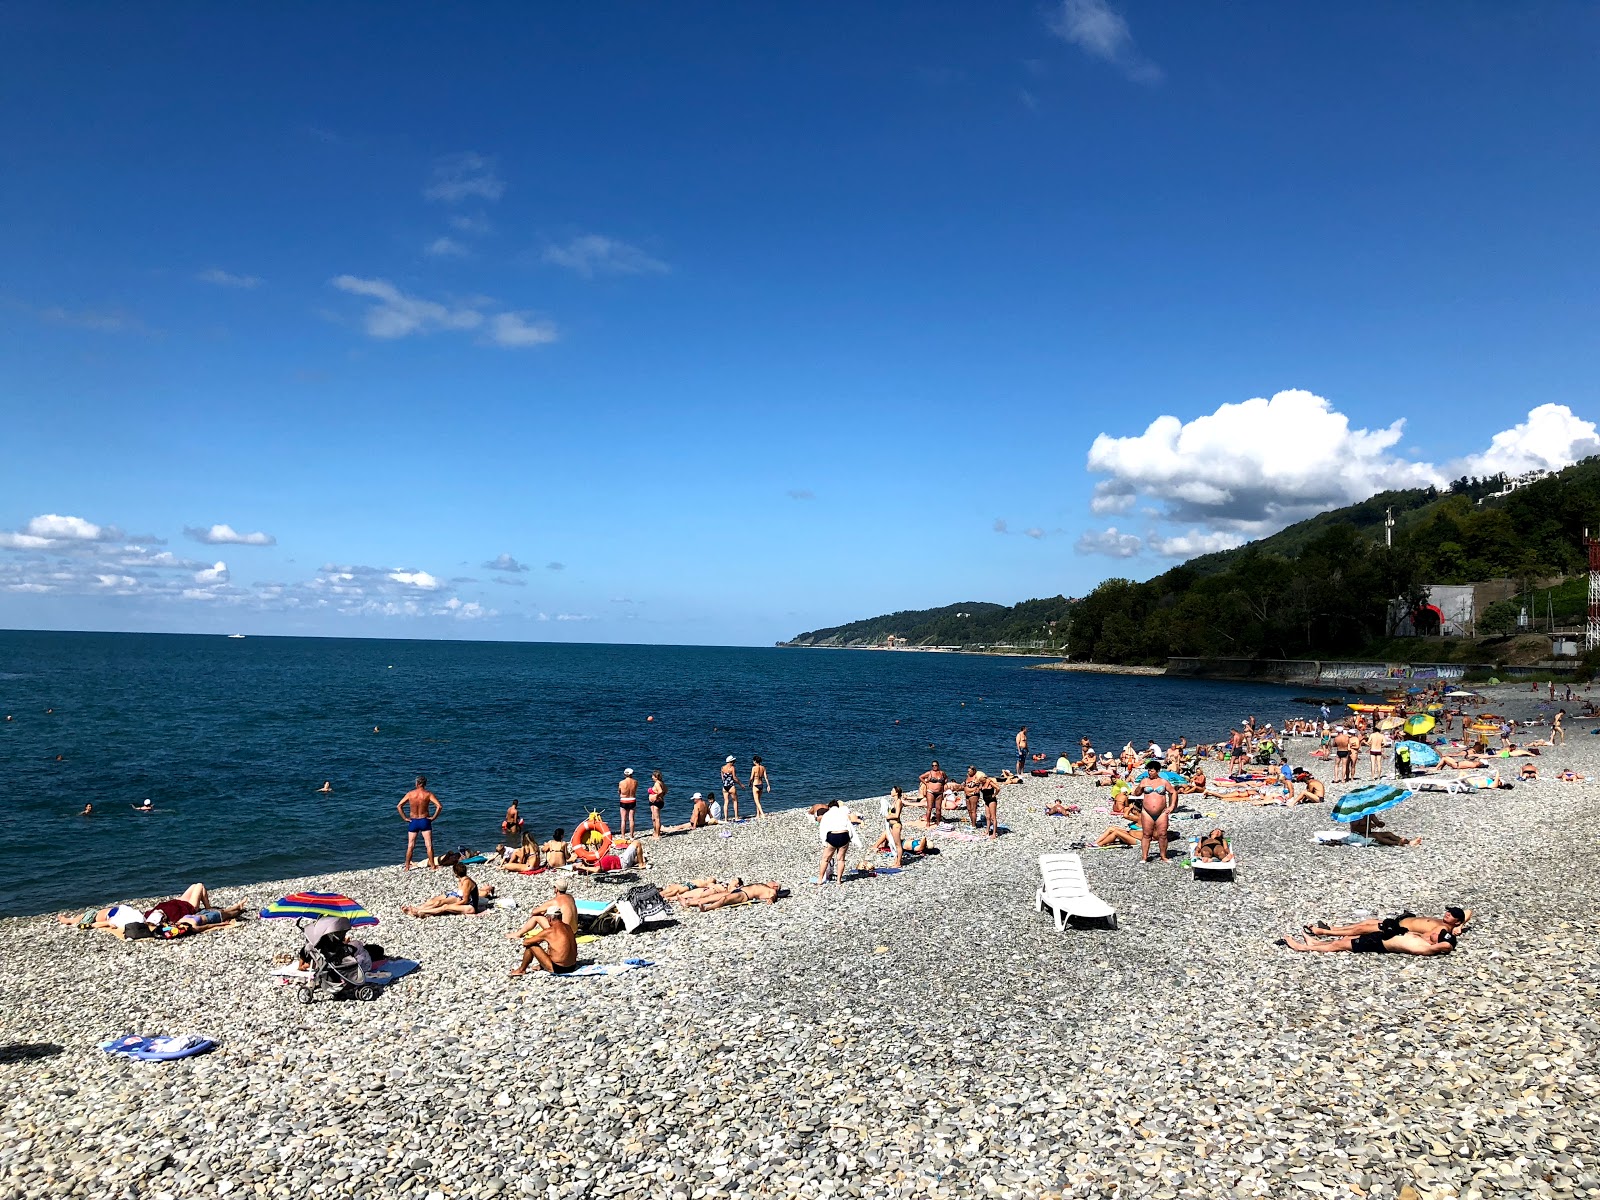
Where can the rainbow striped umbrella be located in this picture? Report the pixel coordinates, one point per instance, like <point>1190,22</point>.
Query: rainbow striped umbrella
<point>319,904</point>
<point>1367,802</point>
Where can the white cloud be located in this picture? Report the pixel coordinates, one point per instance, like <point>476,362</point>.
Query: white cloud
<point>69,529</point>
<point>1193,542</point>
<point>445,247</point>
<point>575,617</point>
<point>468,610</point>
<point>1552,437</point>
<point>416,579</point>
<point>225,535</point>
<point>509,581</point>
<point>396,314</point>
<point>24,541</point>
<point>216,573</point>
<point>464,176</point>
<point>516,330</point>
<point>593,254</point>
<point>1035,533</point>
<point>1250,469</point>
<point>1253,467</point>
<point>1099,31</point>
<point>1110,542</point>
<point>504,562</point>
<point>228,279</point>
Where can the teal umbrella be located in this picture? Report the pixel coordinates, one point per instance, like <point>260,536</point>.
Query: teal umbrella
<point>1368,802</point>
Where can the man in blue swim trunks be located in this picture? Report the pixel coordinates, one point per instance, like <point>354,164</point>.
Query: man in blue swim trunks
<point>420,808</point>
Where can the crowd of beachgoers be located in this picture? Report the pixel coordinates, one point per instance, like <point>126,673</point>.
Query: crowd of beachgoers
<point>913,911</point>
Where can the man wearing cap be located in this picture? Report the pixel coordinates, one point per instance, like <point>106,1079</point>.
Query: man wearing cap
<point>627,800</point>
<point>700,811</point>
<point>730,790</point>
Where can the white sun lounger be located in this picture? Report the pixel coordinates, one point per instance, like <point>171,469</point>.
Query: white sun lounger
<point>1065,891</point>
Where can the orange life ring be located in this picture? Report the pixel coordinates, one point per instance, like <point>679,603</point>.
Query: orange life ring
<point>584,843</point>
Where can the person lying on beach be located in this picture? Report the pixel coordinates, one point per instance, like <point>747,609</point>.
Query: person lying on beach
<point>561,908</point>
<point>1530,770</point>
<point>1010,777</point>
<point>1423,945</point>
<point>524,858</point>
<point>553,945</point>
<point>1469,763</point>
<point>1371,827</point>
<point>464,900</point>
<point>1125,835</point>
<point>1213,847</point>
<point>1060,808</point>
<point>205,918</point>
<point>677,891</point>
<point>1568,775</point>
<point>115,918</point>
<point>737,892</point>
<point>1455,920</point>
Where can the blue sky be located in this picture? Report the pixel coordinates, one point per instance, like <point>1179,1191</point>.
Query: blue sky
<point>726,321</point>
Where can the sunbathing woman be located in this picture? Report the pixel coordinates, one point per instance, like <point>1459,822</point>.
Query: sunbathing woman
<point>737,892</point>
<point>523,858</point>
<point>1468,763</point>
<point>1213,847</point>
<point>1196,785</point>
<point>1455,920</point>
<point>1060,808</point>
<point>463,900</point>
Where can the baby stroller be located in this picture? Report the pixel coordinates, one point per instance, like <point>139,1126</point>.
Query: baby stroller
<point>333,963</point>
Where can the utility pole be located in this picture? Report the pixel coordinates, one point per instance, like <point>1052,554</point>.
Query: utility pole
<point>1591,633</point>
<point>1388,528</point>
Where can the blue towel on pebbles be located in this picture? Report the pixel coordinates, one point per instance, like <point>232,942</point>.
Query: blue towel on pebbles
<point>157,1049</point>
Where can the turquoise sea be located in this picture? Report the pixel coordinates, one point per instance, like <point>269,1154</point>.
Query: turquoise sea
<point>231,739</point>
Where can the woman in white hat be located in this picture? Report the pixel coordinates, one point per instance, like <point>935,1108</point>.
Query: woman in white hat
<point>730,790</point>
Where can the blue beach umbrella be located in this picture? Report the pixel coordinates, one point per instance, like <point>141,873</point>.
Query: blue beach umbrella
<point>1174,778</point>
<point>1368,802</point>
<point>316,905</point>
<point>1422,754</point>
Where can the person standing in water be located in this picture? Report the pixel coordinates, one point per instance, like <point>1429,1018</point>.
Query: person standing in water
<point>627,801</point>
<point>420,808</point>
<point>730,791</point>
<point>1022,749</point>
<point>758,782</point>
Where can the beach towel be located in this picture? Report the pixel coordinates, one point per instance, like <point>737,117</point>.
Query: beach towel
<point>384,971</point>
<point>157,1049</point>
<point>592,969</point>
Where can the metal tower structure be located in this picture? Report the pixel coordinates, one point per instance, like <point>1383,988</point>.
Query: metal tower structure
<point>1591,635</point>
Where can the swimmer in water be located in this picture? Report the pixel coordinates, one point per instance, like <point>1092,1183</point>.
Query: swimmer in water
<point>145,807</point>
<point>88,811</point>
<point>327,788</point>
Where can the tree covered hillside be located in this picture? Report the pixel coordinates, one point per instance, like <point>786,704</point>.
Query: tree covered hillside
<point>1324,586</point>
<point>974,623</point>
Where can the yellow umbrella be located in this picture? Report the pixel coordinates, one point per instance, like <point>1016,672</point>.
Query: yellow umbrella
<point>1390,723</point>
<point>1418,725</point>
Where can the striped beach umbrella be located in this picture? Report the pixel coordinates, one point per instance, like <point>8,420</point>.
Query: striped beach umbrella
<point>319,904</point>
<point>1368,802</point>
<point>1419,724</point>
<point>1389,723</point>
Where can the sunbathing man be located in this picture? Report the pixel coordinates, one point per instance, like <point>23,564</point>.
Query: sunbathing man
<point>1371,827</point>
<point>700,815</point>
<point>1455,920</point>
<point>1060,808</point>
<point>562,907</point>
<point>463,900</point>
<point>553,945</point>
<point>204,918</point>
<point>1316,792</point>
<point>1421,944</point>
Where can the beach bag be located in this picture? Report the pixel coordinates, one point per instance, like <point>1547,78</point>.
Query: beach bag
<point>647,901</point>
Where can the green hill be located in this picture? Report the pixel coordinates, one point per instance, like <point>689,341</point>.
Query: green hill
<point>974,623</point>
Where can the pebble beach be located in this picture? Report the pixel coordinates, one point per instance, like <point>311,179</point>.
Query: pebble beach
<point>922,1034</point>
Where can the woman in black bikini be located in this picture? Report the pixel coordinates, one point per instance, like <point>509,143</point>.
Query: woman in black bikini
<point>1156,800</point>
<point>893,812</point>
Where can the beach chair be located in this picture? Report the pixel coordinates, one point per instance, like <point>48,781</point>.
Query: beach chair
<point>1065,890</point>
<point>1213,870</point>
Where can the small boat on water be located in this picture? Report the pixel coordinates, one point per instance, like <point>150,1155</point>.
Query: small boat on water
<point>236,635</point>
